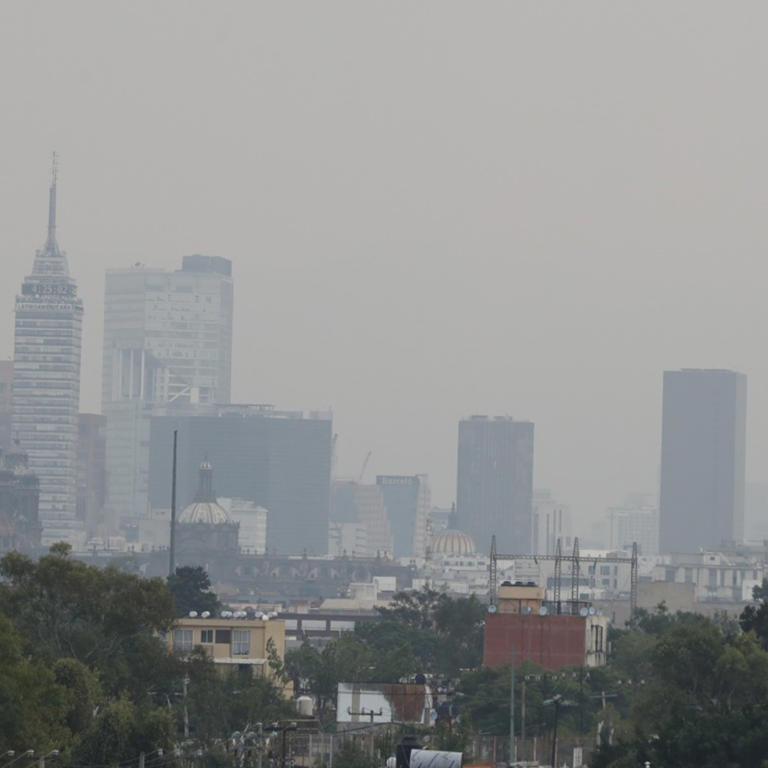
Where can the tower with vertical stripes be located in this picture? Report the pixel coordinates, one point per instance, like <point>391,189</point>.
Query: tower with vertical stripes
<point>46,382</point>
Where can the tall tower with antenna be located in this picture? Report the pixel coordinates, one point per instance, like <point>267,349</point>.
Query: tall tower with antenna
<point>46,381</point>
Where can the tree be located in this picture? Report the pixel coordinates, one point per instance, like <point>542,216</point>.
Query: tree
<point>192,591</point>
<point>33,706</point>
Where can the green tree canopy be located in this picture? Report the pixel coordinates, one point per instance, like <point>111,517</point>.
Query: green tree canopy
<point>192,591</point>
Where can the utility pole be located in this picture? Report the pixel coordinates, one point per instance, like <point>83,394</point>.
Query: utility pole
<point>172,547</point>
<point>186,711</point>
<point>556,701</point>
<point>512,750</point>
<point>367,713</point>
<point>522,714</point>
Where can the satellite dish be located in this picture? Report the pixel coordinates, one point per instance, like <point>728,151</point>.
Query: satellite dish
<point>492,608</point>
<point>205,614</point>
<point>591,611</point>
<point>583,612</point>
<point>543,610</point>
<point>193,614</point>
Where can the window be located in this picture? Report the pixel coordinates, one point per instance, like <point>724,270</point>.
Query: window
<point>223,636</point>
<point>206,636</point>
<point>182,639</point>
<point>241,642</point>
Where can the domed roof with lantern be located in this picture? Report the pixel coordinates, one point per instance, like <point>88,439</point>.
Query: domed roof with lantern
<point>452,541</point>
<point>205,508</point>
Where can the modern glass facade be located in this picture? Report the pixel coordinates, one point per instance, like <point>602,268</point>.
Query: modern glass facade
<point>46,384</point>
<point>167,345</point>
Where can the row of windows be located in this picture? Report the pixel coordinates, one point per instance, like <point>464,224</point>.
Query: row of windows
<point>240,639</point>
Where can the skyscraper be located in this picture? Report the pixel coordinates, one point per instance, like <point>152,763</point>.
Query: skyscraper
<point>46,383</point>
<point>703,449</point>
<point>167,346</point>
<point>495,482</point>
<point>280,460</point>
<point>408,500</point>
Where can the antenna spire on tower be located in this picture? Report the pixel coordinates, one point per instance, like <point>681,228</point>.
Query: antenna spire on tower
<point>51,243</point>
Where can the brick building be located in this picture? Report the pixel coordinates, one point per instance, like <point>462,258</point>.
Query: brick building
<point>523,622</point>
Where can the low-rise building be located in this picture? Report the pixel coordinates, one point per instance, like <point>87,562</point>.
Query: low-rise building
<point>716,577</point>
<point>523,626</point>
<point>233,642</point>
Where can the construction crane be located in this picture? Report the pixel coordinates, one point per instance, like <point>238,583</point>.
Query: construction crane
<point>575,560</point>
<point>364,467</point>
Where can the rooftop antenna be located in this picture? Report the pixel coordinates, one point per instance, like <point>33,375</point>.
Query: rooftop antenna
<point>52,202</point>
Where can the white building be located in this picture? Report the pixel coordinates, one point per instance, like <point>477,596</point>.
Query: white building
<point>347,539</point>
<point>46,384</point>
<point>252,539</point>
<point>716,577</point>
<point>630,524</point>
<point>167,345</point>
<point>551,521</point>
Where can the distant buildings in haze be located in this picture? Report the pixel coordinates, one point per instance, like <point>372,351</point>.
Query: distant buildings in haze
<point>635,522</point>
<point>167,345</point>
<point>702,459</point>
<point>91,473</point>
<point>280,460</point>
<point>408,500</point>
<point>551,522</point>
<point>495,482</point>
<point>360,524</point>
<point>46,383</point>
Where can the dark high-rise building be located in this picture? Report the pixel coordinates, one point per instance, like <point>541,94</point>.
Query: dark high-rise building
<point>46,383</point>
<point>703,450</point>
<point>408,501</point>
<point>6,399</point>
<point>19,492</point>
<point>91,473</point>
<point>279,460</point>
<point>495,482</point>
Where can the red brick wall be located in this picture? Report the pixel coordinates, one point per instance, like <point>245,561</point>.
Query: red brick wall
<point>551,641</point>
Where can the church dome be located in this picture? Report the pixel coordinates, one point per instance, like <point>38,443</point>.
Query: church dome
<point>205,508</point>
<point>452,542</point>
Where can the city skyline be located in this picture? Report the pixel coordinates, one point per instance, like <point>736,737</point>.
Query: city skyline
<point>545,251</point>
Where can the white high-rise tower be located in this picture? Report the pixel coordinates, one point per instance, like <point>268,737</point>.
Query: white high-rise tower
<point>46,382</point>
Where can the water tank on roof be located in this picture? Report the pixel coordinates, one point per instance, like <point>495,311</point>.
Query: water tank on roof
<point>305,706</point>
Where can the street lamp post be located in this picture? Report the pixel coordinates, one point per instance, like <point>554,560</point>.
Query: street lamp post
<point>41,761</point>
<point>558,701</point>
<point>11,753</point>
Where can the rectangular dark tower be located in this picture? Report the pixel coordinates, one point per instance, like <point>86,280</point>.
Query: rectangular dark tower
<point>281,460</point>
<point>703,448</point>
<point>495,482</point>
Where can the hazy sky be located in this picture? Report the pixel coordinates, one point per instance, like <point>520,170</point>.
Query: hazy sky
<point>434,209</point>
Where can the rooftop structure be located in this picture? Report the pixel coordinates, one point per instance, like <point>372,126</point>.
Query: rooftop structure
<point>204,527</point>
